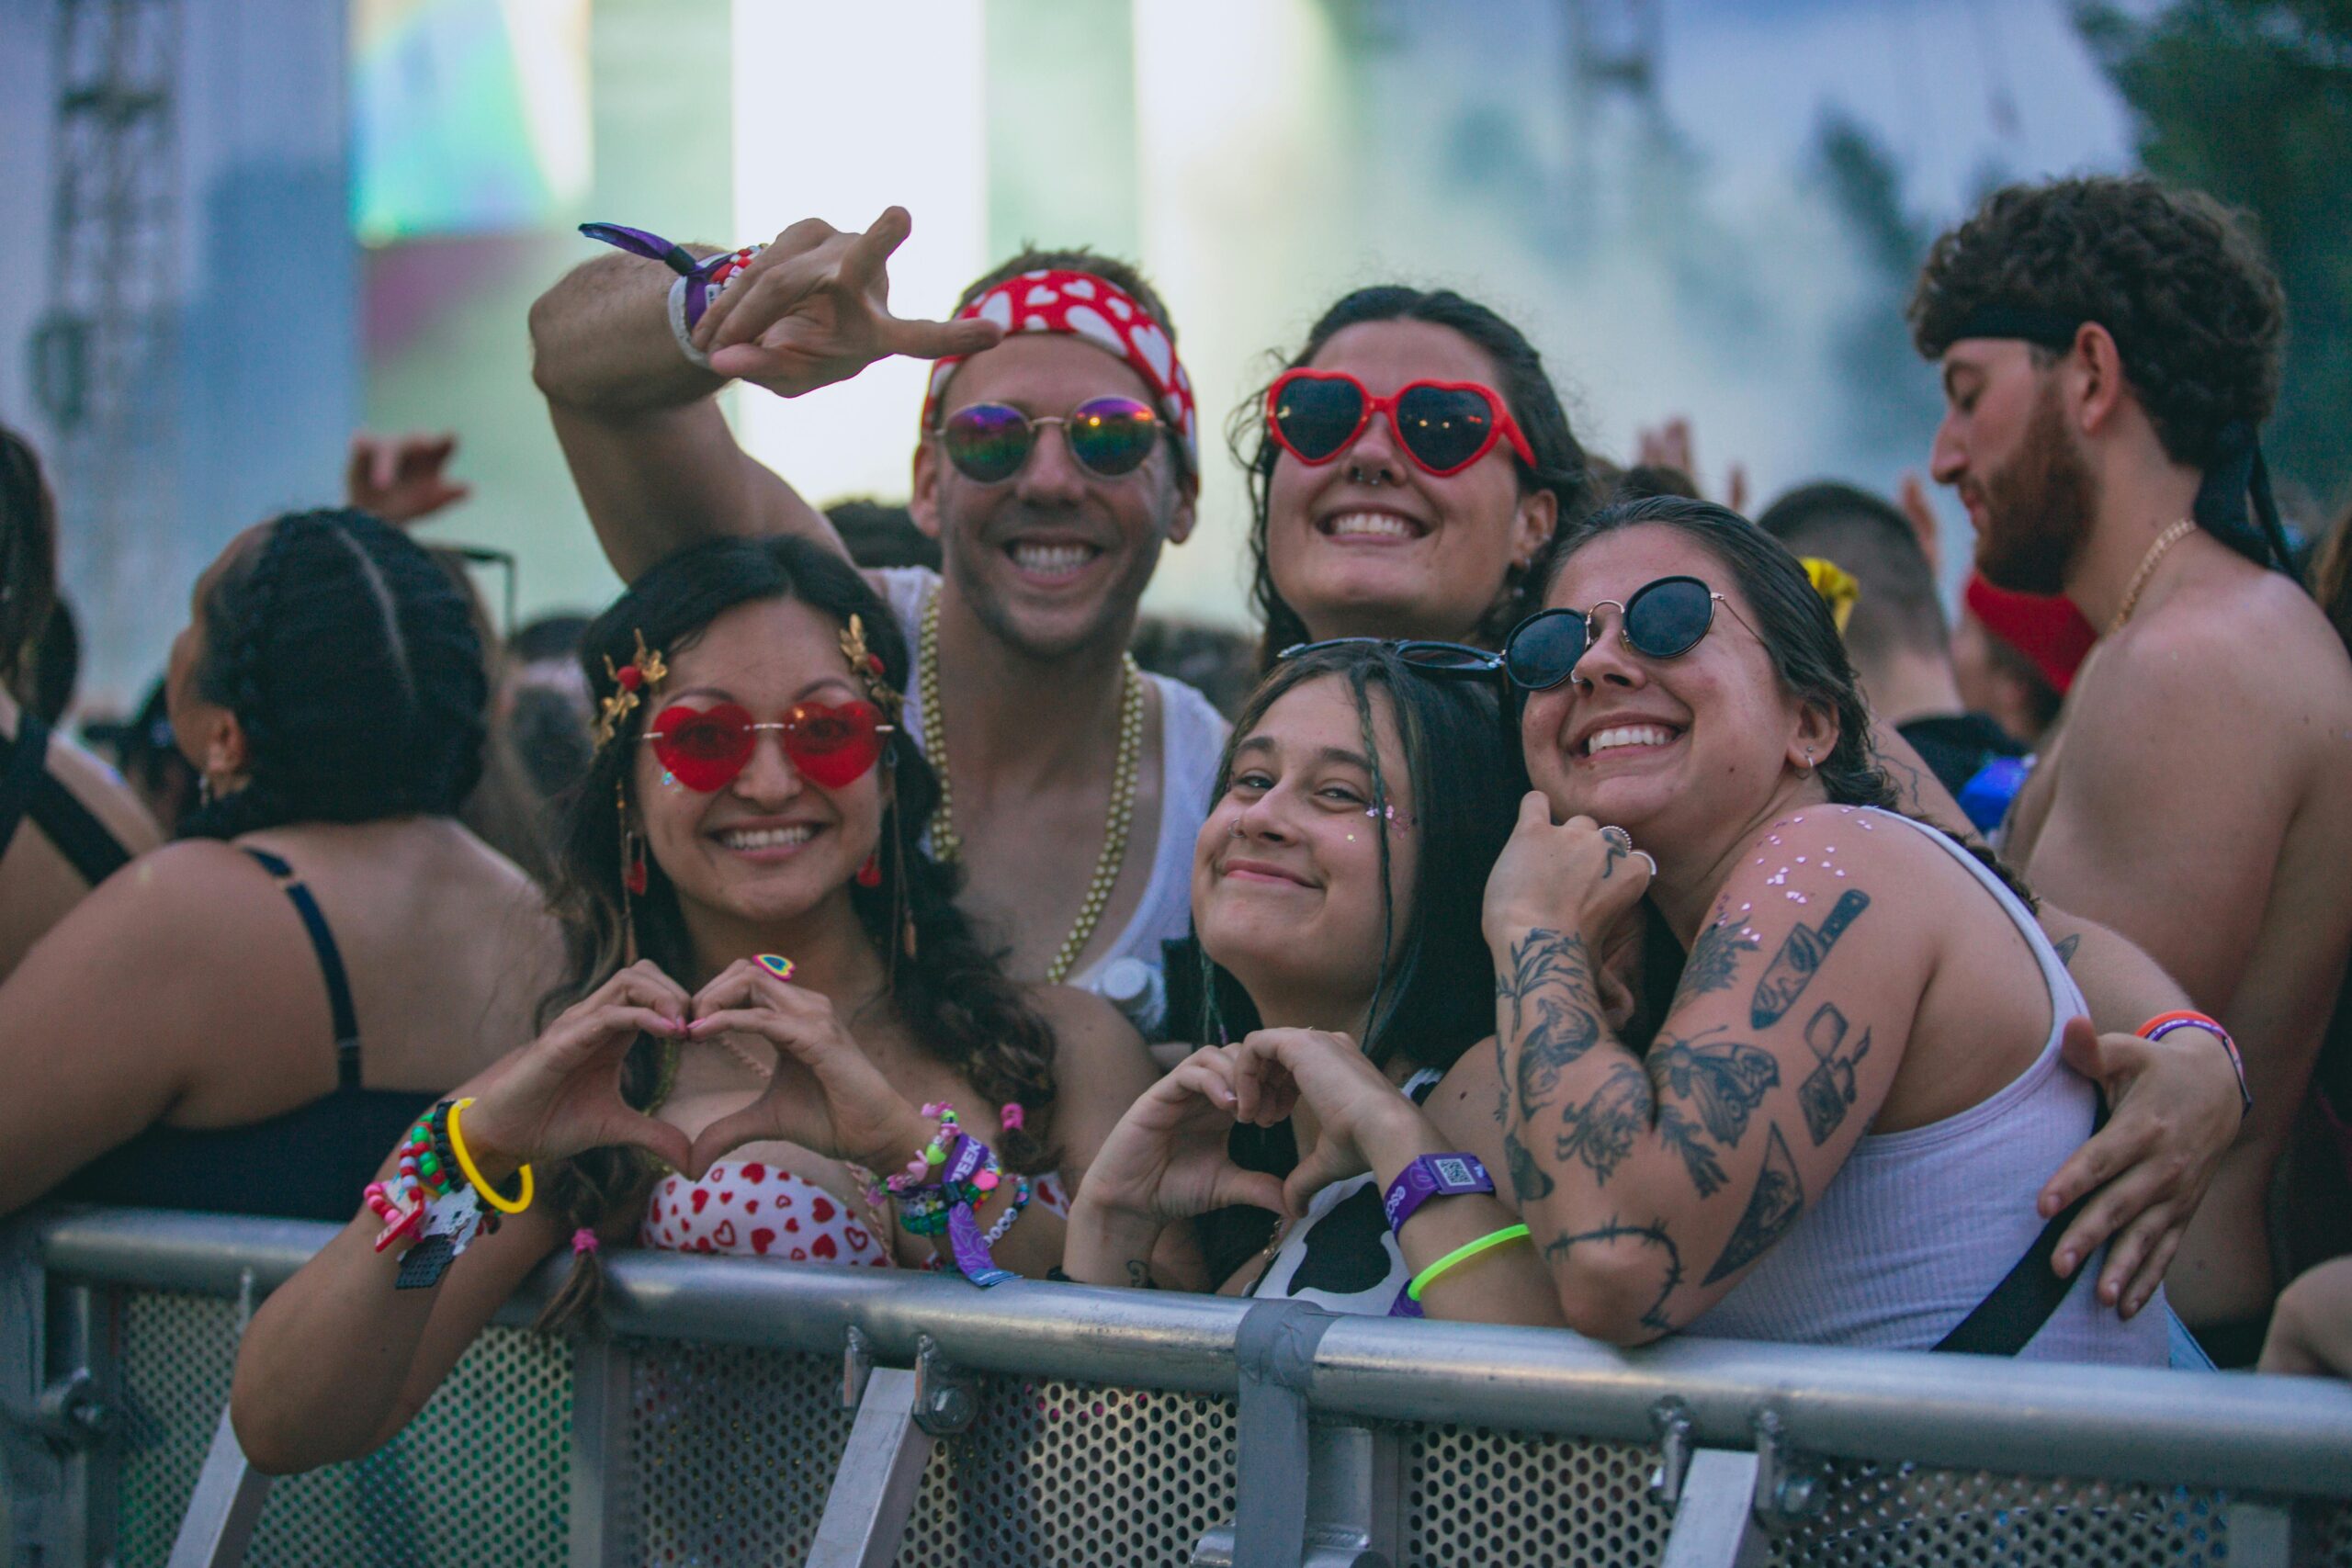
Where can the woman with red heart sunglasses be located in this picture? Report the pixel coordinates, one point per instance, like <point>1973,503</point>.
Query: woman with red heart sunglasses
<point>771,1002</point>
<point>1412,464</point>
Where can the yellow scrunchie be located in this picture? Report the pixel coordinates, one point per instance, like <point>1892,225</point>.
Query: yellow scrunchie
<point>1837,587</point>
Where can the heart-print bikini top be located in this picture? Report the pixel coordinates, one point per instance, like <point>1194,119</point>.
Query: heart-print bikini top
<point>752,1210</point>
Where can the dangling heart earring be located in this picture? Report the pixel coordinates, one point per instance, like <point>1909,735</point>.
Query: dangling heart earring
<point>632,848</point>
<point>870,873</point>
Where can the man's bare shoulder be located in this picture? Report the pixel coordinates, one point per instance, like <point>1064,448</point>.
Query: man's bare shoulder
<point>2247,651</point>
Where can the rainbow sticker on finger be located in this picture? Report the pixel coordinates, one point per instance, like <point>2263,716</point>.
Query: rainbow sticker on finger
<point>778,966</point>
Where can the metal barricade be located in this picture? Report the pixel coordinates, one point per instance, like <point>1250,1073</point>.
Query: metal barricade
<point>752,1412</point>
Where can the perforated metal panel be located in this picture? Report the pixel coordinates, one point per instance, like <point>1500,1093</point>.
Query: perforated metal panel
<point>1060,1472</point>
<point>1513,1500</point>
<point>733,1452</point>
<point>2335,1536</point>
<point>482,1475</point>
<point>1900,1516</point>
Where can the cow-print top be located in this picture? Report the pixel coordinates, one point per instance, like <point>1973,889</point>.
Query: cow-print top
<point>1341,1256</point>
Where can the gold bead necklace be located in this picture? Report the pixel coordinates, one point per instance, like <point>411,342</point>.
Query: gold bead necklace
<point>2165,541</point>
<point>1126,768</point>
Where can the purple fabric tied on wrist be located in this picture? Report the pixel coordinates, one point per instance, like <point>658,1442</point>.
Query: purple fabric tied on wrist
<point>699,283</point>
<point>970,1249</point>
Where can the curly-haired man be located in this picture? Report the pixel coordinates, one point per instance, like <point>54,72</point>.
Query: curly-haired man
<point>2109,348</point>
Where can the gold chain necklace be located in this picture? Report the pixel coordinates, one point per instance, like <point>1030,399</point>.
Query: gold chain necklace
<point>1126,768</point>
<point>2165,541</point>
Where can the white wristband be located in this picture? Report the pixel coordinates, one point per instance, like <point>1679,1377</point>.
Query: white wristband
<point>678,288</point>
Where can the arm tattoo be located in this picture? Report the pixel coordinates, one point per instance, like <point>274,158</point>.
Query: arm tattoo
<point>1564,1031</point>
<point>1654,1235</point>
<point>1726,1079</point>
<point>1680,1134</point>
<point>1600,1132</point>
<point>1139,1275</point>
<point>1773,1209</point>
<point>1528,1181</point>
<point>1830,1089</point>
<point>1536,959</point>
<point>1802,954</point>
<point>2066,949</point>
<point>1540,958</point>
<point>1714,957</point>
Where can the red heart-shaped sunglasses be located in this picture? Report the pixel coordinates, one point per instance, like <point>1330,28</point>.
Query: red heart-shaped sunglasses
<point>1443,426</point>
<point>705,749</point>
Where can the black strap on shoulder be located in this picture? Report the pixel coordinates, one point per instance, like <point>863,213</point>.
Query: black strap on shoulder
<point>23,774</point>
<point>2006,1321</point>
<point>26,789</point>
<point>315,921</point>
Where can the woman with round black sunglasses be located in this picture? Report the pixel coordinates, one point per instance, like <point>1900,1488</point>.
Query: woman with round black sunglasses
<point>1406,470</point>
<point>1862,1000</point>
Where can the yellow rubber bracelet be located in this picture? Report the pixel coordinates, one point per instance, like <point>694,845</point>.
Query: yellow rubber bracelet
<point>1427,1277</point>
<point>483,1190</point>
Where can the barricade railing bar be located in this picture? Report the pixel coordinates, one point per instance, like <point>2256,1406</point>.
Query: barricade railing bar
<point>1744,1442</point>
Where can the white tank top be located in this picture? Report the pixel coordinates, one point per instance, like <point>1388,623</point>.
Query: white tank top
<point>1919,1226</point>
<point>1191,737</point>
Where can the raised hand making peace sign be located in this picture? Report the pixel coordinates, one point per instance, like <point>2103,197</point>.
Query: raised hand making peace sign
<point>813,308</point>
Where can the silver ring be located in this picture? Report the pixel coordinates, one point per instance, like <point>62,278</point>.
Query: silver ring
<point>1619,837</point>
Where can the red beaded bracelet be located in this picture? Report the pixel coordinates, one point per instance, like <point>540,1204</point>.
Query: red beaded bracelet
<point>2164,1023</point>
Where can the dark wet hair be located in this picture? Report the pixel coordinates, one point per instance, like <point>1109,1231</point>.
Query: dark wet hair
<point>1560,464</point>
<point>1791,619</point>
<point>354,666</point>
<point>1436,997</point>
<point>28,553</point>
<point>954,999</point>
<point>2175,277</point>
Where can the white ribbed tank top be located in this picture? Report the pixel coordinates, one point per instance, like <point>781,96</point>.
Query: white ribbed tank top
<point>1919,1226</point>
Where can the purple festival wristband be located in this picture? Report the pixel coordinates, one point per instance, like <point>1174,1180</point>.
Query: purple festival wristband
<point>1433,1175</point>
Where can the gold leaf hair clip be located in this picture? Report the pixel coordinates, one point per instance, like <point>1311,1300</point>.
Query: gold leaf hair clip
<point>631,683</point>
<point>868,667</point>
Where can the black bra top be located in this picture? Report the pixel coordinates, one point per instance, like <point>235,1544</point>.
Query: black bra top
<point>29,789</point>
<point>309,1163</point>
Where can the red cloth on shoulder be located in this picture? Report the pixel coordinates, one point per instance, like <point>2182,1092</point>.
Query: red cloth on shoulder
<point>2047,629</point>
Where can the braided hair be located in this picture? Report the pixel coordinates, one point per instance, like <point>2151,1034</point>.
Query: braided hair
<point>354,666</point>
<point>28,552</point>
<point>950,992</point>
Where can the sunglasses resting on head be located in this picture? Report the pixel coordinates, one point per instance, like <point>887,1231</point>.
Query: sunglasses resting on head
<point>1663,619</point>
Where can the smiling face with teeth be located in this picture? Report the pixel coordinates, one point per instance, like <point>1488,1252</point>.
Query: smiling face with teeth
<point>770,847</point>
<point>1286,875</point>
<point>1053,560</point>
<point>1411,555</point>
<point>1676,750</point>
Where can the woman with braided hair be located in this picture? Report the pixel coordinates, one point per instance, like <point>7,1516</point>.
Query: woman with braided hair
<point>770,996</point>
<point>240,1020</point>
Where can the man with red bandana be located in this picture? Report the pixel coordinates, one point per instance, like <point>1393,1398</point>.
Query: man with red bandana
<point>2109,349</point>
<point>1057,452</point>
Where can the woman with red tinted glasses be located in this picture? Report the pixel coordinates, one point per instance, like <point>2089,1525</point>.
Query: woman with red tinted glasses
<point>1411,466</point>
<point>769,998</point>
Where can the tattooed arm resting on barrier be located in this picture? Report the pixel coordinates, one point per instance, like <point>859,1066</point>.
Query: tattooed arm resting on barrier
<point>1652,1185</point>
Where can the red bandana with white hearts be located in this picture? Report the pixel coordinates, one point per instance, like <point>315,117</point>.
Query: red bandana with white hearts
<point>1103,314</point>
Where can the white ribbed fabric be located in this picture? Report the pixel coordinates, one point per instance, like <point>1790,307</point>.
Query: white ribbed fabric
<point>1191,737</point>
<point>1920,1225</point>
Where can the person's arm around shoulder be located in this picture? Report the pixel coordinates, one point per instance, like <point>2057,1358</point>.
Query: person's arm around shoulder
<point>1652,1184</point>
<point>115,1017</point>
<point>655,463</point>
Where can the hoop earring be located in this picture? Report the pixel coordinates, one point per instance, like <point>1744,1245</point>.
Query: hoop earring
<point>1806,772</point>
